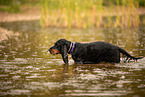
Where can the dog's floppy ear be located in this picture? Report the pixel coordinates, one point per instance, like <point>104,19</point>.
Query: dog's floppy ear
<point>64,53</point>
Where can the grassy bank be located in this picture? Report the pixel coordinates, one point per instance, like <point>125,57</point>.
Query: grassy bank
<point>75,13</point>
<point>90,13</point>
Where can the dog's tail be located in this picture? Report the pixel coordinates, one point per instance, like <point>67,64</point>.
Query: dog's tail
<point>128,55</point>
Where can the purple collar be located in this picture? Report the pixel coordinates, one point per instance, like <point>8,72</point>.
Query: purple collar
<point>72,48</point>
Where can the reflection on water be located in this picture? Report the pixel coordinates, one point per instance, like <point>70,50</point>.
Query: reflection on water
<point>26,68</point>
<point>46,77</point>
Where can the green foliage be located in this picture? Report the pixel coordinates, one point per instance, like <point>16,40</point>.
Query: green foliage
<point>75,13</point>
<point>14,5</point>
<point>11,8</point>
<point>10,5</point>
<point>82,13</point>
<point>6,2</point>
<point>142,3</point>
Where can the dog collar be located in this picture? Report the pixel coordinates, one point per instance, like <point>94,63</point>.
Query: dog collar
<point>71,48</point>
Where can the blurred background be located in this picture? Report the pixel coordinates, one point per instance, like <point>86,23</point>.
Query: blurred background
<point>75,13</point>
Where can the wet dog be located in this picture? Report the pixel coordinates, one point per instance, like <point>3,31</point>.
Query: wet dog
<point>89,53</point>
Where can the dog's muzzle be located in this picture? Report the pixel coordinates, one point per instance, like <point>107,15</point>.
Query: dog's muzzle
<point>54,51</point>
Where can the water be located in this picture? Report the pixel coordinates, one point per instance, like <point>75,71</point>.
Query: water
<point>27,69</point>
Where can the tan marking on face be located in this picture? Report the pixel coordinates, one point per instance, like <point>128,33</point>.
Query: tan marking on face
<point>54,51</point>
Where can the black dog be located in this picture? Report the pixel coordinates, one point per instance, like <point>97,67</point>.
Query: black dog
<point>89,53</point>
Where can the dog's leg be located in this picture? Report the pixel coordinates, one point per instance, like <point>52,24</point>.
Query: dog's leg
<point>126,60</point>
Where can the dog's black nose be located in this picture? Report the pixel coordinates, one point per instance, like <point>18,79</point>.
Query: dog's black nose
<point>49,49</point>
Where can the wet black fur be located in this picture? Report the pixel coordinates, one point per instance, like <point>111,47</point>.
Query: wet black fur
<point>91,53</point>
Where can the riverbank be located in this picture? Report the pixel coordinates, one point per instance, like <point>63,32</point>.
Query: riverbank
<point>27,13</point>
<point>33,13</point>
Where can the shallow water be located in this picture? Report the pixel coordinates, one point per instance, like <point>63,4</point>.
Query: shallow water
<point>27,69</point>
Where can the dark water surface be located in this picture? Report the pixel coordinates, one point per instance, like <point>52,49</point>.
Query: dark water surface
<point>27,69</point>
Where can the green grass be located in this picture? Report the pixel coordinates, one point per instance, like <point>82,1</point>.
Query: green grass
<point>89,13</point>
<point>81,13</point>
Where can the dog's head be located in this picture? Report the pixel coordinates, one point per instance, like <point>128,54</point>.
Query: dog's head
<point>61,47</point>
<point>55,49</point>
